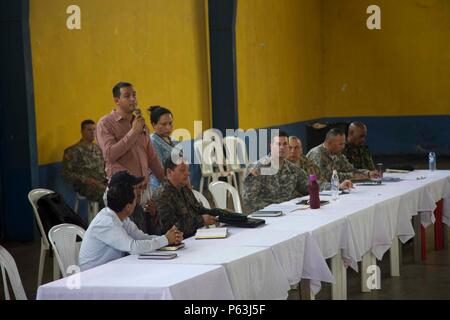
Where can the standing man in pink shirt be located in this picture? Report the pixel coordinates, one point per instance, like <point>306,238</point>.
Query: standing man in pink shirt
<point>125,142</point>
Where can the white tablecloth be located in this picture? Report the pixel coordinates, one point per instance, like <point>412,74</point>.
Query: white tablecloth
<point>253,272</point>
<point>142,281</point>
<point>262,263</point>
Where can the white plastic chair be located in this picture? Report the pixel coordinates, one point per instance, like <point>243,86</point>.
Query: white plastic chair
<point>33,197</point>
<point>209,153</point>
<point>200,197</point>
<point>63,238</point>
<point>9,267</point>
<point>219,191</point>
<point>92,206</point>
<point>236,157</point>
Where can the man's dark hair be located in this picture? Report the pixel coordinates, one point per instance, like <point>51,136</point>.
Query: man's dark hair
<point>169,164</point>
<point>86,122</point>
<point>156,112</point>
<point>333,133</point>
<point>281,133</point>
<point>117,87</point>
<point>119,196</point>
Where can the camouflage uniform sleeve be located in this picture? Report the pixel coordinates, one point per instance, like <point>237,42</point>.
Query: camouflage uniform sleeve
<point>348,170</point>
<point>69,171</point>
<point>251,194</point>
<point>198,207</point>
<point>166,210</point>
<point>316,158</point>
<point>302,182</point>
<point>370,163</point>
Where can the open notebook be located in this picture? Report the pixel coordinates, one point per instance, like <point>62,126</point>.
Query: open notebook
<point>211,233</point>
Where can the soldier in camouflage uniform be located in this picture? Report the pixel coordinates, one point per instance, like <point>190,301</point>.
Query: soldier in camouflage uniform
<point>297,157</point>
<point>286,183</point>
<point>83,166</point>
<point>328,156</point>
<point>356,151</point>
<point>176,203</point>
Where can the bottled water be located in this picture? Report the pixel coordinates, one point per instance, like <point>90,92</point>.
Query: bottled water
<point>334,185</point>
<point>432,161</point>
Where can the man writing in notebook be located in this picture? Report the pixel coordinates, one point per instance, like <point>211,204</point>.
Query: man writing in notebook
<point>177,205</point>
<point>112,234</point>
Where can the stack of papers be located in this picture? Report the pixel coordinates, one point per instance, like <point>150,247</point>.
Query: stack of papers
<point>211,233</point>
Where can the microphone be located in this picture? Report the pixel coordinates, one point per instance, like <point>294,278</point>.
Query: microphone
<point>138,113</point>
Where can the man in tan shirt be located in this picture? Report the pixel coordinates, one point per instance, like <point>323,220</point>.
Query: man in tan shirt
<point>124,139</point>
<point>125,143</point>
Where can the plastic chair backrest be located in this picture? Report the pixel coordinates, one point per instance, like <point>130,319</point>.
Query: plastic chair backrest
<point>214,150</point>
<point>219,191</point>
<point>200,197</point>
<point>8,264</point>
<point>63,238</point>
<point>236,152</point>
<point>206,161</point>
<point>33,197</point>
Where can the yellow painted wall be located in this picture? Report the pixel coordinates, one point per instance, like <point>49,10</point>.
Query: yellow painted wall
<point>158,45</point>
<point>403,69</point>
<point>278,48</point>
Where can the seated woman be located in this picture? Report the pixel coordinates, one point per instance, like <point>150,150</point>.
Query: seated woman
<point>162,122</point>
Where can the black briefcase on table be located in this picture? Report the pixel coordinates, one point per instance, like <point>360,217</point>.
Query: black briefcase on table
<point>237,219</point>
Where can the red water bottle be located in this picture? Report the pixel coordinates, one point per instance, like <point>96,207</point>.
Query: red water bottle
<point>313,189</point>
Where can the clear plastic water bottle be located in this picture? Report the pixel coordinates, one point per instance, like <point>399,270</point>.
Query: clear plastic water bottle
<point>334,185</point>
<point>432,161</point>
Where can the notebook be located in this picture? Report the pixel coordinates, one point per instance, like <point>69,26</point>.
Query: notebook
<point>267,213</point>
<point>211,233</point>
<point>157,256</point>
<point>172,247</point>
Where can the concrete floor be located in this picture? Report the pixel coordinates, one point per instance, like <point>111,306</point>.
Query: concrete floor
<point>429,279</point>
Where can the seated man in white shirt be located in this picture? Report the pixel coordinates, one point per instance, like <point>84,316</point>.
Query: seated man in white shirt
<point>111,234</point>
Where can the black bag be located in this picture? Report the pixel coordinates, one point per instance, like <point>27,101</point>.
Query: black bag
<point>237,219</point>
<point>53,210</point>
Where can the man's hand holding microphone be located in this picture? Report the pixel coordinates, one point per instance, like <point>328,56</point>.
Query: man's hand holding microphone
<point>138,124</point>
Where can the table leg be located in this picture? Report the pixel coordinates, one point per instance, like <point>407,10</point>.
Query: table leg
<point>395,258</point>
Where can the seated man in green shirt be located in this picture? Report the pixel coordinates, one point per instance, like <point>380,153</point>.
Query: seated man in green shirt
<point>328,156</point>
<point>356,151</point>
<point>297,157</point>
<point>274,179</point>
<point>177,205</point>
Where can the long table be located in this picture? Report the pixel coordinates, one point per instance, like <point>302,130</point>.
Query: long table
<point>264,263</point>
